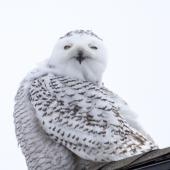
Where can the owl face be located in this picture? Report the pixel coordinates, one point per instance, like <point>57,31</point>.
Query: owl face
<point>79,56</point>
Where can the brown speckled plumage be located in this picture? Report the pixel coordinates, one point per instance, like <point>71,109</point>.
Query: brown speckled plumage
<point>57,118</point>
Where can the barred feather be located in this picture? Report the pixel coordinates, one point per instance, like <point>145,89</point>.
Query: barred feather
<point>60,121</point>
<point>39,150</point>
<point>85,118</point>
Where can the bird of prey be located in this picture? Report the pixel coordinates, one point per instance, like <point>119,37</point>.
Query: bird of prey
<point>65,115</point>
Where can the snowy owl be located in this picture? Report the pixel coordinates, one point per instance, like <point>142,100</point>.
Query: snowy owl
<point>64,115</point>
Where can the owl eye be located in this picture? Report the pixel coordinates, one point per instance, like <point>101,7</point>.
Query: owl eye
<point>67,46</point>
<point>93,47</point>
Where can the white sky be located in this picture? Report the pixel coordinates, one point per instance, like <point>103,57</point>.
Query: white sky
<point>136,33</point>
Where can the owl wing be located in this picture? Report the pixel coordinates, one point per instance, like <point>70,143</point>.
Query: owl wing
<point>85,119</point>
<point>39,151</point>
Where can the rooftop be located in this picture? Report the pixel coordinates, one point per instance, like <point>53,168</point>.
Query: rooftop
<point>153,160</point>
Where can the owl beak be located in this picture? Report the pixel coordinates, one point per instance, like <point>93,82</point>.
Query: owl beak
<point>80,56</point>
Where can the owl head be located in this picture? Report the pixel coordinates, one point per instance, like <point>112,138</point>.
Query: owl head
<point>79,54</point>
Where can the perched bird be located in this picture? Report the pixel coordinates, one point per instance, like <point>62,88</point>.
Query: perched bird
<point>64,115</point>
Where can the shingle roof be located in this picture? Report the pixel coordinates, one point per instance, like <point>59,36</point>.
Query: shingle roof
<point>153,160</point>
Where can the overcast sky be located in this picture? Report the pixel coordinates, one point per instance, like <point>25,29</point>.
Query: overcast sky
<point>136,33</point>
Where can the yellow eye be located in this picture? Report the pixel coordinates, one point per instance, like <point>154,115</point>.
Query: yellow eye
<point>67,47</point>
<point>93,47</point>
